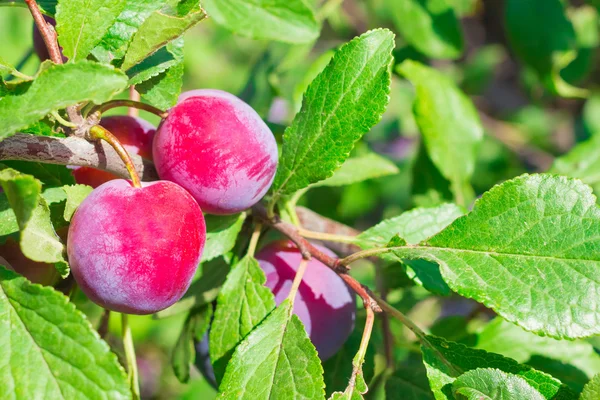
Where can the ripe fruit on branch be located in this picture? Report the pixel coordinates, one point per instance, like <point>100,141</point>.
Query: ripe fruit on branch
<point>135,250</point>
<point>13,258</point>
<point>324,304</point>
<point>135,134</point>
<point>217,147</point>
<point>38,41</point>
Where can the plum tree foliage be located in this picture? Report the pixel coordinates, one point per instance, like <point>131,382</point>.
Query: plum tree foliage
<point>486,286</point>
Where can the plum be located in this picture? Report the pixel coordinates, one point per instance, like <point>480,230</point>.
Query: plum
<point>324,303</point>
<point>38,41</point>
<point>13,258</point>
<point>135,249</point>
<point>217,147</point>
<point>135,134</point>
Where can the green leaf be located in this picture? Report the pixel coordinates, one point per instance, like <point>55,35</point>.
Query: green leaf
<point>75,195</point>
<point>445,361</point>
<point>511,341</point>
<point>449,124</point>
<point>493,384</point>
<point>408,383</point>
<point>8,220</point>
<point>156,31</point>
<point>550,40</point>
<point>22,192</point>
<point>591,391</point>
<point>184,353</point>
<point>431,26</point>
<point>343,103</point>
<point>163,90</point>
<point>49,349</point>
<point>587,33</point>
<point>241,305</point>
<point>203,290</point>
<point>39,241</point>
<point>115,42</point>
<point>523,236</point>
<point>290,21</point>
<point>81,24</point>
<point>48,7</point>
<point>6,68</point>
<point>582,162</point>
<point>338,368</point>
<point>276,360</point>
<point>221,234</point>
<point>163,59</point>
<point>50,175</point>
<point>415,226</point>
<point>55,87</point>
<point>361,168</point>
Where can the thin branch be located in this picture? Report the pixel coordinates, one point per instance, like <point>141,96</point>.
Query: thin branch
<point>307,250</point>
<point>72,151</point>
<point>129,103</point>
<point>134,95</point>
<point>47,31</point>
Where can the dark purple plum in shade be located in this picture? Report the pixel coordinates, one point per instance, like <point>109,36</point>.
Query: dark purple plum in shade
<point>38,41</point>
<point>324,304</point>
<point>218,148</point>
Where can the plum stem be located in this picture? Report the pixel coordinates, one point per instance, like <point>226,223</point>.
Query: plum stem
<point>48,33</point>
<point>129,103</point>
<point>132,371</point>
<point>254,240</point>
<point>326,237</point>
<point>359,358</point>
<point>100,133</point>
<point>297,279</point>
<point>134,95</point>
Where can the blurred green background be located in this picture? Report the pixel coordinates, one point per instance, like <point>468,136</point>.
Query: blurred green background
<point>527,128</point>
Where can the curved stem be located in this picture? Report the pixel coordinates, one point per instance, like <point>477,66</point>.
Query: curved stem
<point>365,254</point>
<point>48,33</point>
<point>254,240</point>
<point>62,121</point>
<point>129,103</point>
<point>99,132</point>
<point>297,279</point>
<point>132,371</point>
<point>327,237</point>
<point>134,95</point>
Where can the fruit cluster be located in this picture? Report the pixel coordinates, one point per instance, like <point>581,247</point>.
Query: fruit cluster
<point>135,248</point>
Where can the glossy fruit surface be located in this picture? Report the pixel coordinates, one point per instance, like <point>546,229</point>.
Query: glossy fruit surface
<point>12,257</point>
<point>135,134</point>
<point>217,147</point>
<point>326,306</point>
<point>135,250</point>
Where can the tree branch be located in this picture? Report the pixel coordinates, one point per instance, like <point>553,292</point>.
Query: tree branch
<point>47,31</point>
<point>308,251</point>
<point>72,151</point>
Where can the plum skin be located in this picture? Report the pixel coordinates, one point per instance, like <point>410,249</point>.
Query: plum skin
<point>217,147</point>
<point>324,303</point>
<point>135,250</point>
<point>135,134</point>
